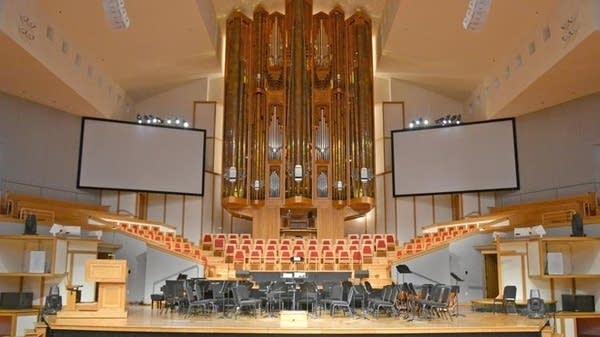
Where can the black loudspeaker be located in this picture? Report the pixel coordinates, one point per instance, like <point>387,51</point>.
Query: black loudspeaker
<point>17,300</point>
<point>242,274</point>
<point>30,225</point>
<point>577,225</point>
<point>361,274</point>
<point>53,304</point>
<point>535,308</point>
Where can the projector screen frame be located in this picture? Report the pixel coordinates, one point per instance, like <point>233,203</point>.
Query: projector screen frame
<point>516,157</point>
<point>83,119</point>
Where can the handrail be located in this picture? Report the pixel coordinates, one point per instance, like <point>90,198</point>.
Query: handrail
<point>174,275</point>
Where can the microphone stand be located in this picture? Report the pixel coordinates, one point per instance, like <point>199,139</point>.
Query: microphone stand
<point>456,280</point>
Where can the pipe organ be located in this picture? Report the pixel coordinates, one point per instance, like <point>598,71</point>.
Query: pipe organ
<point>298,130</point>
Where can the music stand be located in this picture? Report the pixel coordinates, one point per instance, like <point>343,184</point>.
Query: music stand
<point>402,269</point>
<point>456,280</point>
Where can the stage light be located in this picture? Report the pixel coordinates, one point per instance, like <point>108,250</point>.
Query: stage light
<point>116,14</point>
<point>157,120</point>
<point>476,15</point>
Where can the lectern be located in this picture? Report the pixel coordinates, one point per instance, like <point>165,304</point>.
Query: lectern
<point>110,277</point>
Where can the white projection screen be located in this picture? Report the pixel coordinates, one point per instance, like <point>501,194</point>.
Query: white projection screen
<point>136,157</point>
<point>469,157</point>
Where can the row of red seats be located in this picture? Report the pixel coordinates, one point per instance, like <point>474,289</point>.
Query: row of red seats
<point>311,260</point>
<point>218,241</point>
<point>431,239</point>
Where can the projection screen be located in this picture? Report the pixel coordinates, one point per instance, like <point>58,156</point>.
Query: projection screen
<point>469,157</point>
<point>137,157</point>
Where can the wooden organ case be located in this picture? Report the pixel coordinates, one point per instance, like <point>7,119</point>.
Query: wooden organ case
<point>298,130</point>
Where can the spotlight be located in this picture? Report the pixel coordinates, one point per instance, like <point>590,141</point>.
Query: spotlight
<point>186,124</point>
<point>169,121</point>
<point>177,121</point>
<point>411,125</point>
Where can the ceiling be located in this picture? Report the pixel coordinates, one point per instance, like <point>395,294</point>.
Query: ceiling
<point>171,42</point>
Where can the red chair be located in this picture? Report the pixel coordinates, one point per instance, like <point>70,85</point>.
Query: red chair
<point>381,247</point>
<point>246,249</point>
<point>246,236</point>
<point>377,237</point>
<point>313,258</point>
<point>219,246</point>
<point>273,242</point>
<point>357,259</point>
<point>367,253</point>
<point>255,259</point>
<point>270,259</point>
<point>313,242</point>
<point>284,259</point>
<point>239,259</point>
<point>344,260</point>
<point>207,241</point>
<point>259,242</point>
<point>328,260</point>
<point>340,242</point>
<point>390,240</point>
<point>229,252</point>
<point>353,237</point>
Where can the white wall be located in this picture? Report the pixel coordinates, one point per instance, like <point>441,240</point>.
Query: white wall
<point>175,102</point>
<point>39,151</point>
<point>134,251</point>
<point>162,266</point>
<point>558,151</point>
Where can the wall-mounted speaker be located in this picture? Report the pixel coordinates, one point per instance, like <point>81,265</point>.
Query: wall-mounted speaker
<point>30,224</point>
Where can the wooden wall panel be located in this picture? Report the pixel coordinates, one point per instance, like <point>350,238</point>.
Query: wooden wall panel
<point>423,212</point>
<point>405,215</point>
<point>174,212</point>
<point>111,199</point>
<point>156,207</point>
<point>191,217</point>
<point>442,207</point>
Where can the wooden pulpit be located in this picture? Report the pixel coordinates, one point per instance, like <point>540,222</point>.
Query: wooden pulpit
<point>111,279</point>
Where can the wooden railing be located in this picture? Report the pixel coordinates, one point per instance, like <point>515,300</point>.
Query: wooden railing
<point>585,204</point>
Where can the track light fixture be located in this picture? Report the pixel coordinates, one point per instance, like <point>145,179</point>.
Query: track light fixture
<point>116,14</point>
<point>418,123</point>
<point>449,120</point>
<point>476,15</point>
<point>156,120</point>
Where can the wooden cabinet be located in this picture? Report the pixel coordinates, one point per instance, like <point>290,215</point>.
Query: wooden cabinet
<point>564,257</point>
<point>29,263</point>
<point>13,322</point>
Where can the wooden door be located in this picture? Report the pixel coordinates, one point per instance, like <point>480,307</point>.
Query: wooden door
<point>491,275</point>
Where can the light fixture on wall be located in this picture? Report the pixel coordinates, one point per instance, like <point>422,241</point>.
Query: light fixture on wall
<point>476,15</point>
<point>449,120</point>
<point>257,184</point>
<point>116,14</point>
<point>298,172</point>
<point>418,123</point>
<point>339,185</point>
<point>232,174</point>
<point>156,120</point>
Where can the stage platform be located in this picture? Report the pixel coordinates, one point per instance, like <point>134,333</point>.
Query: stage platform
<point>143,321</point>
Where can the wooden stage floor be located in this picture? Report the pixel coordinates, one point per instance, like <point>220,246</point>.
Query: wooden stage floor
<point>143,321</point>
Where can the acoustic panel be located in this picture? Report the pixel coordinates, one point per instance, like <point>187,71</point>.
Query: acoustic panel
<point>468,157</point>
<point>138,157</point>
